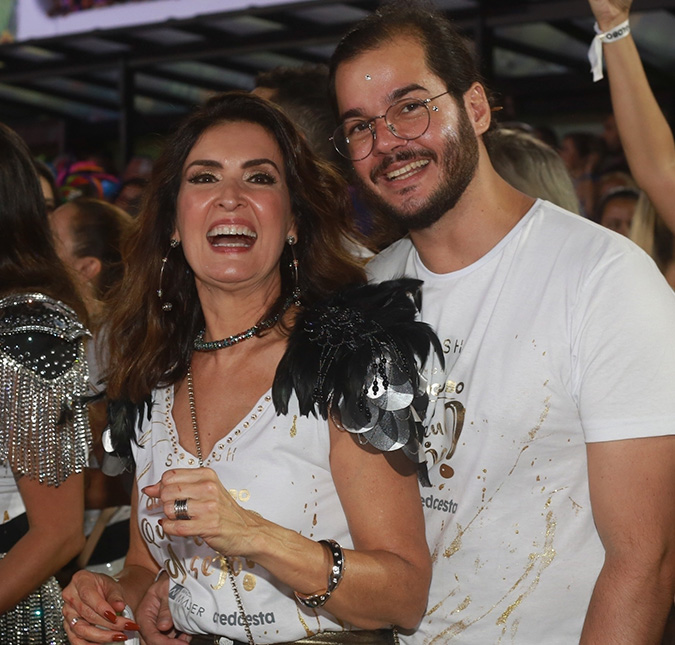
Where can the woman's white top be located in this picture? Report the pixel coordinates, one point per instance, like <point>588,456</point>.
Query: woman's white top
<point>277,466</point>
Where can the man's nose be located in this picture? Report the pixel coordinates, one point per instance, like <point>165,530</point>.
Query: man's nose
<point>385,139</point>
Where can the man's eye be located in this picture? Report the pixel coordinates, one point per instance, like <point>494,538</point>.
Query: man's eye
<point>409,107</point>
<point>355,128</point>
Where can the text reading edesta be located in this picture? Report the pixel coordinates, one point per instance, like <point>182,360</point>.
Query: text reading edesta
<point>438,504</point>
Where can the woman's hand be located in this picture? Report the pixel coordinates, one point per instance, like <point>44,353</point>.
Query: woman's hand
<point>92,604</point>
<point>214,516</point>
<point>610,13</point>
<point>154,617</point>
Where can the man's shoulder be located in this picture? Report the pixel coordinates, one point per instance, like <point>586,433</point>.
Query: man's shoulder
<point>390,262</point>
<point>558,234</point>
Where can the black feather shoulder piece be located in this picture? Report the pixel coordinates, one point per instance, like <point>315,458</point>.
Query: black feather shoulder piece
<point>355,357</point>
<point>123,419</point>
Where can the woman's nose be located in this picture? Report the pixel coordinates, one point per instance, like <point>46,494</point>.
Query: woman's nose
<point>231,196</point>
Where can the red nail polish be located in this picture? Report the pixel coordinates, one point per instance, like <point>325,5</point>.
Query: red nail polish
<point>160,522</point>
<point>110,616</point>
<point>119,638</point>
<point>131,627</point>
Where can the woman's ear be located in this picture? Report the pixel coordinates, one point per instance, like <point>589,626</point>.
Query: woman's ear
<point>88,267</point>
<point>478,108</point>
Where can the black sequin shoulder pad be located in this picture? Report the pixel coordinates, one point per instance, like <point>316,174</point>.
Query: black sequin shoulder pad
<point>40,333</point>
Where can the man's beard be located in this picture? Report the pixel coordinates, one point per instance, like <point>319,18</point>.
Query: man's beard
<point>460,159</point>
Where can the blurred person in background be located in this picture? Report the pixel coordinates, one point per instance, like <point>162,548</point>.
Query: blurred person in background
<point>616,208</point>
<point>48,185</point>
<point>44,427</point>
<point>89,235</point>
<point>531,166</point>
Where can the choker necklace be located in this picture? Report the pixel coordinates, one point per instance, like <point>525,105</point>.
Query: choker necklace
<point>201,345</point>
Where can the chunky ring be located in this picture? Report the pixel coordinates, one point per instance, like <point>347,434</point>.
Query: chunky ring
<point>74,621</point>
<point>180,509</point>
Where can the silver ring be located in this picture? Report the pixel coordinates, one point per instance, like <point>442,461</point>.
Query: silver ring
<point>180,509</point>
<point>74,621</point>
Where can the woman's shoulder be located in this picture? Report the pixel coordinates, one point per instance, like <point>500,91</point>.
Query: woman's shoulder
<point>38,313</point>
<point>40,333</point>
<point>43,408</point>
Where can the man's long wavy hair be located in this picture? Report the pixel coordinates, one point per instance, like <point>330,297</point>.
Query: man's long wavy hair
<point>150,347</point>
<point>28,261</point>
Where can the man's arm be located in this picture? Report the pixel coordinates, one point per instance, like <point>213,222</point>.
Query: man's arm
<point>645,134</point>
<point>632,487</point>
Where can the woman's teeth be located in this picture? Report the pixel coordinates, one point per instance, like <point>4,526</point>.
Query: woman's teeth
<point>231,235</point>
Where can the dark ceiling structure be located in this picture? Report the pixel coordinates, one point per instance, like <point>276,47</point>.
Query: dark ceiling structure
<point>130,81</point>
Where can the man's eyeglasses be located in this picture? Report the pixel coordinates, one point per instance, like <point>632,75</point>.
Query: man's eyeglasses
<point>406,119</point>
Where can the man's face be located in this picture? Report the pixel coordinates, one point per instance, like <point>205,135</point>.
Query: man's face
<point>413,181</point>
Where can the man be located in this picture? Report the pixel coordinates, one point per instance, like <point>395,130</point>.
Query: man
<point>550,431</point>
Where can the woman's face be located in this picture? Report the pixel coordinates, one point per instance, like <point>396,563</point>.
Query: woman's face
<point>234,209</point>
<point>618,215</point>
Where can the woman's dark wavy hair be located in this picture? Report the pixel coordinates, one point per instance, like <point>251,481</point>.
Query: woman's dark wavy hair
<point>99,230</point>
<point>151,347</point>
<point>446,52</point>
<point>28,261</point>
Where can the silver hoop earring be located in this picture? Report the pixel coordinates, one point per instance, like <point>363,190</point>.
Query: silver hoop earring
<point>166,306</point>
<point>291,241</point>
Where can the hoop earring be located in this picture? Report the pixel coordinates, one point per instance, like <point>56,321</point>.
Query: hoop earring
<point>166,305</point>
<point>291,241</point>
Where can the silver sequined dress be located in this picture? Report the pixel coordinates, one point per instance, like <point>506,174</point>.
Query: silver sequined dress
<point>44,433</point>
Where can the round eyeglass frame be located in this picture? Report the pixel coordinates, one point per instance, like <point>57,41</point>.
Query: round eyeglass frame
<point>338,134</point>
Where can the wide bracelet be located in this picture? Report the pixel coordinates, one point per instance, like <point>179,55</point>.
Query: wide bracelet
<point>334,577</point>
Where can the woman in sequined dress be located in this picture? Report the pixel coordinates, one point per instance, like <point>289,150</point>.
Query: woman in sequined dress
<point>236,196</point>
<point>44,429</point>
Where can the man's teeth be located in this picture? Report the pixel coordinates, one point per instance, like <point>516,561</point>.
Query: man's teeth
<point>407,168</point>
<point>232,229</point>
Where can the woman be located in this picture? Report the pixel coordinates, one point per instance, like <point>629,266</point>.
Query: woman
<point>255,223</point>
<point>650,232</point>
<point>44,432</point>
<point>88,236</point>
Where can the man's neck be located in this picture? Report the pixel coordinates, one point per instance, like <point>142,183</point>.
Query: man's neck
<point>486,212</point>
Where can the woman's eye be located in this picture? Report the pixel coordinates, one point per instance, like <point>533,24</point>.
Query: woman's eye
<point>262,178</point>
<point>202,178</point>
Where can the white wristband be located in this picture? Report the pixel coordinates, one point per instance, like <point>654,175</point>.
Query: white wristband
<point>595,51</point>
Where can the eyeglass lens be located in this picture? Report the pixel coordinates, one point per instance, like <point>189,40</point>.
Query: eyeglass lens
<point>406,119</point>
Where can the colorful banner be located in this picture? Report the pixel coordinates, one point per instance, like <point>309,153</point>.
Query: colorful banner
<point>63,7</point>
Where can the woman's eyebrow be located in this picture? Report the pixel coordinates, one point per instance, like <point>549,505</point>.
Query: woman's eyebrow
<point>259,162</point>
<point>209,163</point>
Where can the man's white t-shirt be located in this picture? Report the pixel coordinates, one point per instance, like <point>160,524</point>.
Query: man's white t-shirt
<point>561,335</point>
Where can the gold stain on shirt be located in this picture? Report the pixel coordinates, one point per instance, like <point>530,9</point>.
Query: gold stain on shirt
<point>249,582</point>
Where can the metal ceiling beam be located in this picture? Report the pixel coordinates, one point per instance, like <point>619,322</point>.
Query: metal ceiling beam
<point>571,63</point>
